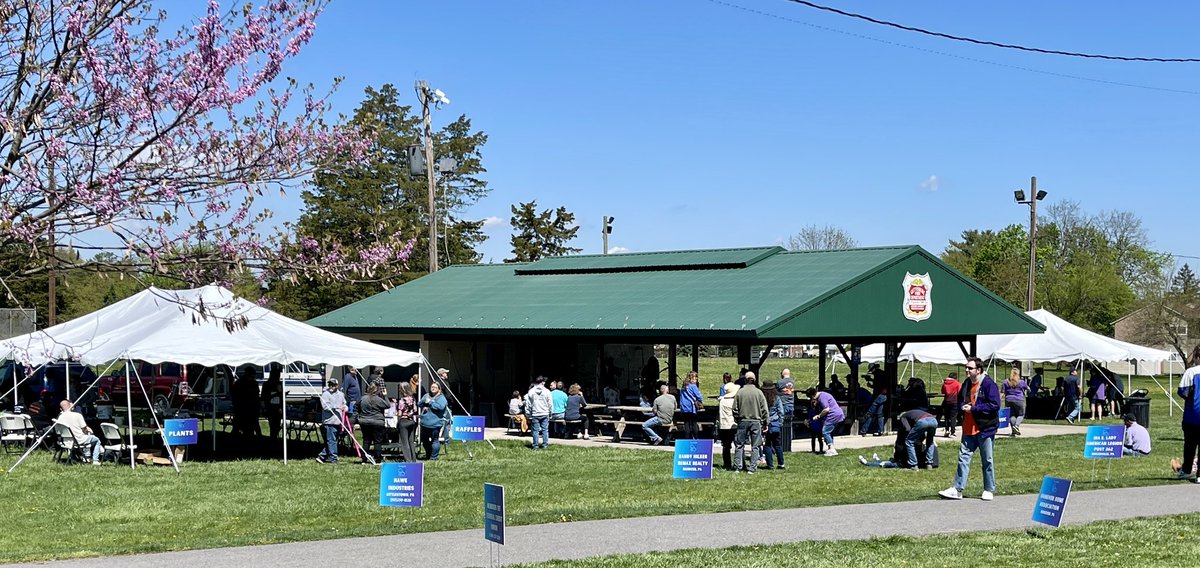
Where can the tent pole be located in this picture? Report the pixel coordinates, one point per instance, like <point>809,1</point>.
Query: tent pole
<point>67,378</point>
<point>283,402</point>
<point>158,426</point>
<point>129,412</point>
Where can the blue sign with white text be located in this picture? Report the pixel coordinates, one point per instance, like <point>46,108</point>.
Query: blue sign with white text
<point>1051,501</point>
<point>1104,442</point>
<point>401,484</point>
<point>467,428</point>
<point>493,512</point>
<point>693,459</point>
<point>1005,413</point>
<point>182,431</point>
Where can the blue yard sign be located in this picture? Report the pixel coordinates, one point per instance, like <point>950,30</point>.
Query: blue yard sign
<point>401,484</point>
<point>693,459</point>
<point>181,431</point>
<point>1051,501</point>
<point>1104,442</point>
<point>467,428</point>
<point>493,512</point>
<point>1005,413</point>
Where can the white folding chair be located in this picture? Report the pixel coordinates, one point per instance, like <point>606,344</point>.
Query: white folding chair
<point>113,441</point>
<point>14,430</point>
<point>65,443</point>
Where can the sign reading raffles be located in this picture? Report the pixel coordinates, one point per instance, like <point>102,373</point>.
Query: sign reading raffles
<point>1005,414</point>
<point>401,484</point>
<point>1051,501</point>
<point>493,512</point>
<point>693,459</point>
<point>918,299</point>
<point>467,428</point>
<point>1104,442</point>
<point>182,431</point>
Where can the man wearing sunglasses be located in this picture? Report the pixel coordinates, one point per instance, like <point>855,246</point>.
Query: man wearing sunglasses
<point>979,400</point>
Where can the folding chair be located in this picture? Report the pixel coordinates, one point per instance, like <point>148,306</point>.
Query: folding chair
<point>112,440</point>
<point>14,429</point>
<point>65,443</point>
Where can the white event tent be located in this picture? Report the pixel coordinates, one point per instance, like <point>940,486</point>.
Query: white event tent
<point>1061,342</point>
<point>206,326</point>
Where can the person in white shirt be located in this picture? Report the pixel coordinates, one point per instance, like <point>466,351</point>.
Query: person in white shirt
<point>80,430</point>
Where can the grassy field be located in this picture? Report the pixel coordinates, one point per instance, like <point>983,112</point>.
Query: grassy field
<point>1158,541</point>
<point>58,511</point>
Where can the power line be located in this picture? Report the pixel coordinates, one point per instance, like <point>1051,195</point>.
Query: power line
<point>954,56</point>
<point>992,43</point>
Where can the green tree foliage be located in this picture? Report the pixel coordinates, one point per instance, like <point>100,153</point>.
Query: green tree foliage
<point>1184,285</point>
<point>1091,269</point>
<point>538,235</point>
<point>355,203</point>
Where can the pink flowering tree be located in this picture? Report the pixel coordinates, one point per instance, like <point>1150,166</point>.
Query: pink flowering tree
<point>118,136</point>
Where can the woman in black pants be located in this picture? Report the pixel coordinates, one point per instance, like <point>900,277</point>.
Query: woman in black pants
<point>726,425</point>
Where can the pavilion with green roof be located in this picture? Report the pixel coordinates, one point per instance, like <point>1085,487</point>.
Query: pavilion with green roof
<point>594,319</point>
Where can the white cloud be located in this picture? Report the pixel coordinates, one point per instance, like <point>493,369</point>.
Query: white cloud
<point>930,185</point>
<point>617,250</point>
<point>493,221</point>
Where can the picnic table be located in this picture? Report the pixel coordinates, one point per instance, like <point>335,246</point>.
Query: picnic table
<point>627,416</point>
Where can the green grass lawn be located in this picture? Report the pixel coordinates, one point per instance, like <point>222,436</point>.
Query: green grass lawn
<point>1157,541</point>
<point>59,511</point>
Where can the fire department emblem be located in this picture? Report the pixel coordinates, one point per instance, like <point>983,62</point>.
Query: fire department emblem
<point>918,302</point>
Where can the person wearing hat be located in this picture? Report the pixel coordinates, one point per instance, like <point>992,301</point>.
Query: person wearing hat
<point>333,405</point>
<point>1137,439</point>
<point>727,425</point>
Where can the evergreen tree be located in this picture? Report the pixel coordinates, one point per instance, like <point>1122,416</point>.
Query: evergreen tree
<point>540,235</point>
<point>356,203</point>
<point>1184,285</point>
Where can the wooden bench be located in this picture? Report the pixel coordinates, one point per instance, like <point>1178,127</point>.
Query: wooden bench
<point>619,426</point>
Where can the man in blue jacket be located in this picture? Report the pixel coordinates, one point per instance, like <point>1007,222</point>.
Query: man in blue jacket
<point>979,399</point>
<point>1191,414</point>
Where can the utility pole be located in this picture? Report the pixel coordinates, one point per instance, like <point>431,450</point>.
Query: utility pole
<point>605,230</point>
<point>423,95</point>
<point>1034,197</point>
<point>51,312</point>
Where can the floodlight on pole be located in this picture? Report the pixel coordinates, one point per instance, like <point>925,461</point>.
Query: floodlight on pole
<point>437,98</point>
<point>606,230</point>
<point>1036,196</point>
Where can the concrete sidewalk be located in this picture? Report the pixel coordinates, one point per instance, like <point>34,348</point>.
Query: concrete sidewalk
<point>575,540</point>
<point>843,443</point>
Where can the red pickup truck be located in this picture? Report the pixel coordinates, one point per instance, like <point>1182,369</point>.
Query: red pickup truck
<point>165,384</point>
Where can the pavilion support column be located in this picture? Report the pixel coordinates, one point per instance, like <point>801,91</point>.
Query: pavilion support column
<point>695,358</point>
<point>600,371</point>
<point>672,363</point>
<point>821,363</point>
<point>891,374</point>
<point>474,377</point>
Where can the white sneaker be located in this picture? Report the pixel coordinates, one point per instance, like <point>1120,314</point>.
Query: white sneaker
<point>875,456</point>
<point>950,493</point>
<point>862,460</point>
<point>987,496</point>
<point>830,453</point>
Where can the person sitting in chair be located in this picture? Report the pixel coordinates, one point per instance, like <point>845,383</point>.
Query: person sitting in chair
<point>1137,439</point>
<point>84,438</point>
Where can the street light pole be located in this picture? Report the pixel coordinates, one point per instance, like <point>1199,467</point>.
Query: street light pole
<point>605,230</point>
<point>1034,197</point>
<point>423,95</point>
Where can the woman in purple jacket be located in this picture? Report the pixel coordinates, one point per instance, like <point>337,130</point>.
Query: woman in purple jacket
<point>1014,390</point>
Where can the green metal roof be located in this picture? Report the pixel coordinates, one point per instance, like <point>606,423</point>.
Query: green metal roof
<point>756,293</point>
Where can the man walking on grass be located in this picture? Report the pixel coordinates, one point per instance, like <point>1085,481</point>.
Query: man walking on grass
<point>979,400</point>
<point>750,411</point>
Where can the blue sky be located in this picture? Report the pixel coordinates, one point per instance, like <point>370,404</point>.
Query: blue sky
<point>697,124</point>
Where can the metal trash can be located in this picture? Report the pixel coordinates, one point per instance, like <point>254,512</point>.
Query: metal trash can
<point>786,432</point>
<point>1139,406</point>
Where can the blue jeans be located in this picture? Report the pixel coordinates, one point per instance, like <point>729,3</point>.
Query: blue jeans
<point>93,445</point>
<point>541,426</point>
<point>748,432</point>
<point>969,445</point>
<point>923,428</point>
<point>431,441</point>
<point>329,454</point>
<point>648,428</point>
<point>827,431</point>
<point>1074,411</point>
<point>774,448</point>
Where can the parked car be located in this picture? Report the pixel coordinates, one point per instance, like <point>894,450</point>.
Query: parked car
<point>165,384</point>
<point>210,386</point>
<point>299,381</point>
